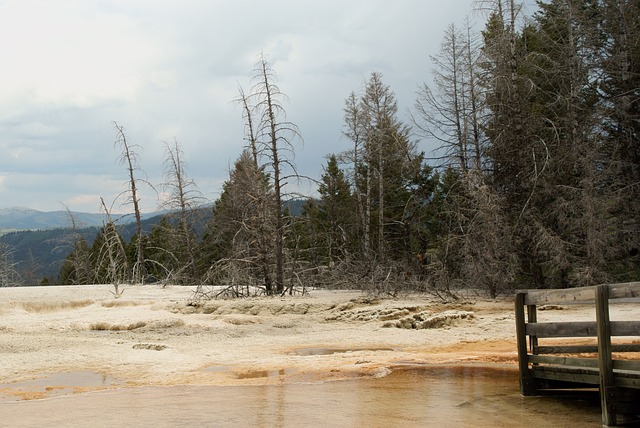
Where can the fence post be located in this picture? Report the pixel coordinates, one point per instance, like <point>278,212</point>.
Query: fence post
<point>605,363</point>
<point>527,383</point>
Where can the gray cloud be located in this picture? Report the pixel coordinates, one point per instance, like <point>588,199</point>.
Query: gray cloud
<point>167,69</point>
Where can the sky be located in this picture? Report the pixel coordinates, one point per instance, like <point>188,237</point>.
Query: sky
<point>169,70</point>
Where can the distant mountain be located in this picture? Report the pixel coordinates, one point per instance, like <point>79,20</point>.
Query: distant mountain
<point>39,241</point>
<point>41,251</point>
<point>18,218</point>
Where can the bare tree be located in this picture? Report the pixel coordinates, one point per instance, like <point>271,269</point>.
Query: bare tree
<point>183,198</point>
<point>80,271</point>
<point>450,112</point>
<point>388,153</point>
<point>275,137</point>
<point>112,254</point>
<point>475,249</point>
<point>130,158</point>
<point>9,276</point>
<point>354,130</point>
<point>247,115</point>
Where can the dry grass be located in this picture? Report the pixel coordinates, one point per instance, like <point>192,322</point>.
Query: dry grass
<point>149,346</point>
<point>121,303</point>
<point>40,307</point>
<point>240,321</point>
<point>105,326</point>
<point>166,324</point>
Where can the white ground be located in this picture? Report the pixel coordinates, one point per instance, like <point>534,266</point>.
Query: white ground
<point>153,336</point>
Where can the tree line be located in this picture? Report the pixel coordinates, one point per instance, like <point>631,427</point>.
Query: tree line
<point>536,182</point>
<point>540,128</point>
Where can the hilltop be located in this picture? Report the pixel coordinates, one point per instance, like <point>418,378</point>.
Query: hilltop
<point>21,218</point>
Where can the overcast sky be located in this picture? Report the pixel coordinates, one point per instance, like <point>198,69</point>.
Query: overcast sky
<point>168,69</point>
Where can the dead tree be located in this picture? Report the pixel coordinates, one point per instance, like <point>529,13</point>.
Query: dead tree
<point>9,276</point>
<point>79,258</point>
<point>274,137</point>
<point>183,198</point>
<point>247,115</point>
<point>112,253</point>
<point>129,157</point>
<point>354,130</point>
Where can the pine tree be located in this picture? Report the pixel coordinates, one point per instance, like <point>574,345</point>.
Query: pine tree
<point>619,63</point>
<point>242,233</point>
<point>336,213</point>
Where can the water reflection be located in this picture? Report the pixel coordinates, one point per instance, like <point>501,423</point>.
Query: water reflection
<point>256,374</point>
<point>426,396</point>
<point>56,384</point>
<point>305,352</point>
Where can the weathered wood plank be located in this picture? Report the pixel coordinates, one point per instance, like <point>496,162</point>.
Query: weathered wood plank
<point>562,329</point>
<point>628,377</point>
<point>628,290</point>
<point>566,296</point>
<point>568,374</point>
<point>629,365</point>
<point>622,395</point>
<point>583,349</point>
<point>581,329</point>
<point>564,361</point>
<point>566,349</point>
<point>631,369</point>
<point>546,386</point>
<point>579,295</point>
<point>627,382</point>
<point>625,328</point>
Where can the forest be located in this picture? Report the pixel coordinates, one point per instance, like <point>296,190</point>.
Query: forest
<point>536,182</point>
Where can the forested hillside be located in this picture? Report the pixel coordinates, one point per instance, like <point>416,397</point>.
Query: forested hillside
<point>37,256</point>
<point>536,182</point>
<point>540,127</point>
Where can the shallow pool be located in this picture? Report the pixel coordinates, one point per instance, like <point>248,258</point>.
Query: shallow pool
<point>437,396</point>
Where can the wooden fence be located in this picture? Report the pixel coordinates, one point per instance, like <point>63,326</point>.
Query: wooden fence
<point>548,361</point>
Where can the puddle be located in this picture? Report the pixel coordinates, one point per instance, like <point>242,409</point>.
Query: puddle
<point>56,384</point>
<point>305,352</point>
<point>438,396</point>
<point>251,374</point>
<point>256,374</point>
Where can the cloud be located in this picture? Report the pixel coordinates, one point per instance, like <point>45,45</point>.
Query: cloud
<point>167,69</point>
<point>60,54</point>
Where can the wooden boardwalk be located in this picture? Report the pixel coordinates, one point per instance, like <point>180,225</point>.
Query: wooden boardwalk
<point>548,361</point>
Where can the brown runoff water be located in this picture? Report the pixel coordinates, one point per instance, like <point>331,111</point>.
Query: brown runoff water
<point>430,396</point>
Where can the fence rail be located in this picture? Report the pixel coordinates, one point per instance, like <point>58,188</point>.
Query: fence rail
<point>573,366</point>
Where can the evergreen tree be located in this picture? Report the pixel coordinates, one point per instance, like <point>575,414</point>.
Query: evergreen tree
<point>241,236</point>
<point>391,187</point>
<point>76,268</point>
<point>618,27</point>
<point>336,213</point>
<point>389,169</point>
<point>570,202</point>
<point>162,260</point>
